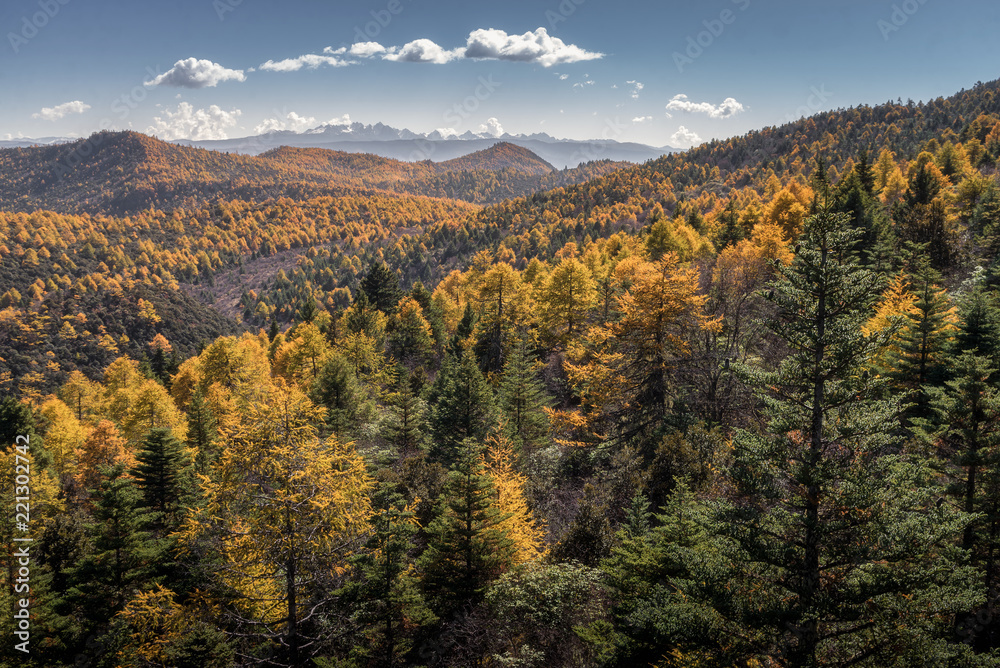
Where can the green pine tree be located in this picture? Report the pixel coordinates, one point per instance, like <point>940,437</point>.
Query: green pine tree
<point>523,399</point>
<point>382,287</point>
<point>923,341</point>
<point>467,547</point>
<point>965,431</point>
<point>388,603</point>
<point>163,477</point>
<point>464,407</point>
<point>842,556</point>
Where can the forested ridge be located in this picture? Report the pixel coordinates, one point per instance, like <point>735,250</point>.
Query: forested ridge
<point>121,173</point>
<point>734,407</point>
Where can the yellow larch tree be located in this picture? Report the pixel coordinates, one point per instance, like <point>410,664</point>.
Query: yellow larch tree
<point>522,528</point>
<point>283,508</point>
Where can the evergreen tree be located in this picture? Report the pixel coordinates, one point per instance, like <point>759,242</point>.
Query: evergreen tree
<point>979,328</point>
<point>467,546</point>
<point>337,388</point>
<point>121,556</point>
<point>464,407</point>
<point>382,287</point>
<point>162,476</point>
<point>730,230</point>
<point>202,432</point>
<point>918,360</point>
<point>965,431</point>
<point>387,599</point>
<point>407,428</point>
<point>842,556</point>
<point>523,399</point>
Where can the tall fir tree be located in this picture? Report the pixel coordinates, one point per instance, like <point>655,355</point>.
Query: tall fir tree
<point>467,544</point>
<point>842,556</point>
<point>464,407</point>
<point>381,284</point>
<point>163,477</point>
<point>964,431</point>
<point>523,399</point>
<point>386,598</point>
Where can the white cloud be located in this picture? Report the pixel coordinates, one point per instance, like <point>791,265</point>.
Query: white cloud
<point>685,137</point>
<point>310,60</point>
<point>531,47</point>
<point>190,123</point>
<point>292,121</point>
<point>563,77</point>
<point>422,51</point>
<point>642,119</point>
<point>367,49</point>
<point>636,87</point>
<point>60,110</point>
<point>729,107</point>
<point>491,127</point>
<point>588,82</point>
<point>343,120</point>
<point>194,73</point>
<point>447,132</point>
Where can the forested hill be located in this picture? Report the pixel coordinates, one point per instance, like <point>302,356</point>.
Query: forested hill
<point>127,172</point>
<point>771,173</point>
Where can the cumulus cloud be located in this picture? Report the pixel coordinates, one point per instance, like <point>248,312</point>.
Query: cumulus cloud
<point>190,123</point>
<point>422,51</point>
<point>636,87</point>
<point>342,120</point>
<point>729,107</point>
<point>60,110</point>
<point>291,121</point>
<point>310,60</point>
<point>195,73</point>
<point>642,119</point>
<point>491,127</point>
<point>531,47</point>
<point>367,49</point>
<point>685,137</point>
<point>484,44</point>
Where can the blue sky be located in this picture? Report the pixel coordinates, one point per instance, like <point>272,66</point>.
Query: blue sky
<point>571,68</point>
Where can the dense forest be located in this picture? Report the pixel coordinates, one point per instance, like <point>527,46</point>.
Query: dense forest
<point>738,406</point>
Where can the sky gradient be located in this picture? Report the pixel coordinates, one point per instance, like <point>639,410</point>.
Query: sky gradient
<point>570,68</point>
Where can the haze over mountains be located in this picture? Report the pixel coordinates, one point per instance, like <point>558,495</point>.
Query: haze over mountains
<point>126,172</point>
<point>389,142</point>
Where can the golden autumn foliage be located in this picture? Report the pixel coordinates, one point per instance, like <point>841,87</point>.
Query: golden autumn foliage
<point>64,435</point>
<point>521,527</point>
<point>103,447</point>
<point>281,505</point>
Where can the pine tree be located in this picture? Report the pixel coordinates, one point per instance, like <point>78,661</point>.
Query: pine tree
<point>388,601</point>
<point>842,555</point>
<point>202,433</point>
<point>407,429</point>
<point>163,476</point>
<point>382,287</point>
<point>337,388</point>
<point>923,340</point>
<point>523,399</point>
<point>467,546</point>
<point>464,407</point>
<point>123,552</point>
<point>979,327</point>
<point>964,430</point>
